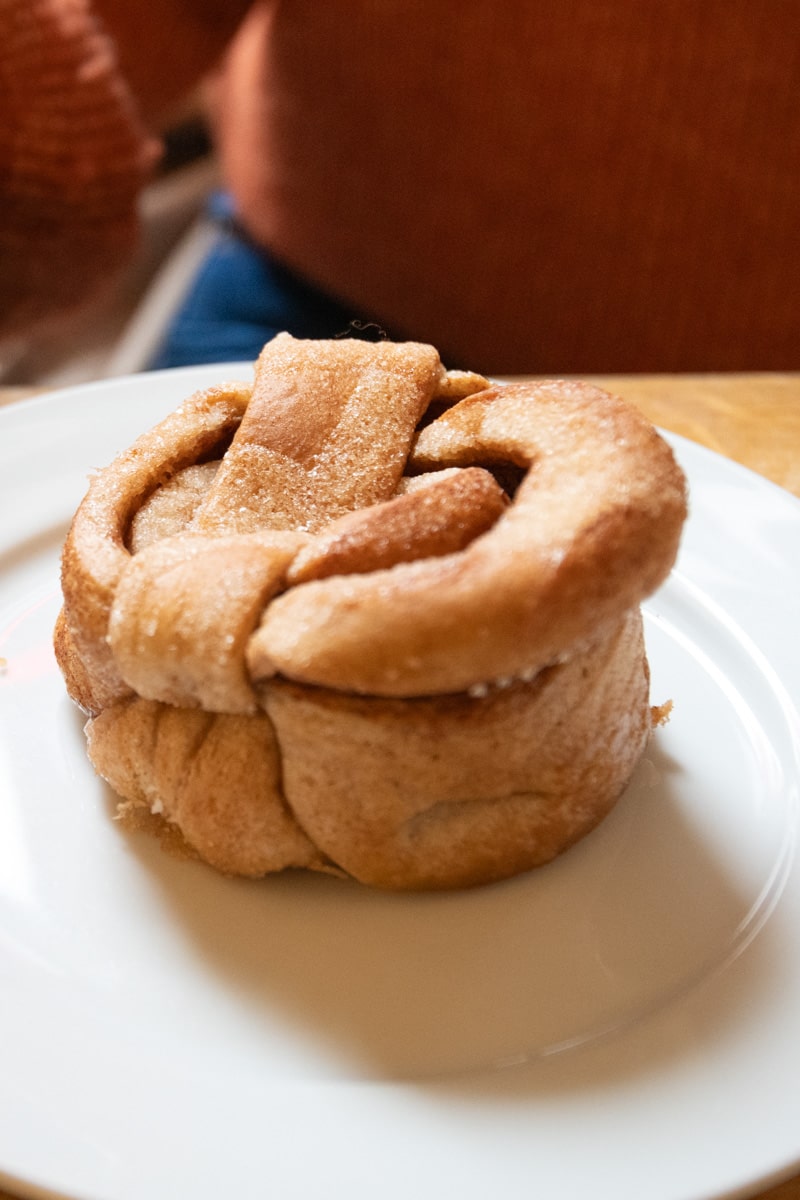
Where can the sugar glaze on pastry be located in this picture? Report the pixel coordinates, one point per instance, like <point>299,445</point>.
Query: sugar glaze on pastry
<point>371,617</point>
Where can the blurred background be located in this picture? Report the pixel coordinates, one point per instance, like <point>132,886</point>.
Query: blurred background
<point>535,186</point>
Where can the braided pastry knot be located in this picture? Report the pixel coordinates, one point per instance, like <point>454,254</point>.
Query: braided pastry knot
<point>371,617</point>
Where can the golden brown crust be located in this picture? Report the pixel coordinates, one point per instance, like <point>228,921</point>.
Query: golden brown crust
<point>440,518</point>
<point>326,432</point>
<point>594,528</point>
<point>82,687</point>
<point>299,655</point>
<point>184,610</point>
<point>215,776</point>
<point>170,509</point>
<point>456,791</point>
<point>438,792</point>
<point>95,553</point>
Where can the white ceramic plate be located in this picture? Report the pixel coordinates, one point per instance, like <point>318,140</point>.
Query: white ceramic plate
<point>624,1023</point>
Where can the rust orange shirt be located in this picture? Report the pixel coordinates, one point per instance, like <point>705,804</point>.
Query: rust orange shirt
<point>532,185</point>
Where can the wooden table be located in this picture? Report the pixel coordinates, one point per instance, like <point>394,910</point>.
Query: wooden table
<point>754,419</point>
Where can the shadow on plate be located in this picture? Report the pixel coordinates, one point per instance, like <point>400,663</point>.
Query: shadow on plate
<point>454,987</point>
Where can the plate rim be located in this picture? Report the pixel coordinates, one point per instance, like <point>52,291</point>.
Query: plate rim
<point>689,452</point>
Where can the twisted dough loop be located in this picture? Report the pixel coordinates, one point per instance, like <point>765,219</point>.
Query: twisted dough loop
<point>170,646</point>
<point>311,573</point>
<point>96,554</point>
<point>593,529</point>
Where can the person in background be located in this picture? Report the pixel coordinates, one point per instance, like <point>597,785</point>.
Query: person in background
<point>548,186</point>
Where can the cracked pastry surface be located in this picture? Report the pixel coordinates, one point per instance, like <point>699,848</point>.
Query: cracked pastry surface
<point>370,617</point>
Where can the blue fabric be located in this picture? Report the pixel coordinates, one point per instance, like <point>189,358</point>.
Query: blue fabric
<point>241,298</point>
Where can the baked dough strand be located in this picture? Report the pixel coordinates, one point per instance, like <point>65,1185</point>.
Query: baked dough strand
<point>593,529</point>
<point>371,617</point>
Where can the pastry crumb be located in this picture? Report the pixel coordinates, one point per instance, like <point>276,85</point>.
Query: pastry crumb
<point>135,818</point>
